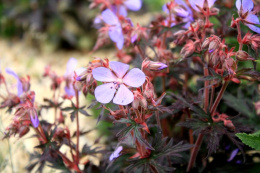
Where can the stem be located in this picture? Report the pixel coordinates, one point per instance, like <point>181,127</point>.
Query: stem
<point>140,51</point>
<point>220,94</point>
<point>190,130</point>
<point>195,151</point>
<point>77,120</point>
<point>206,89</point>
<point>212,96</point>
<point>157,116</point>
<point>10,153</point>
<point>239,37</point>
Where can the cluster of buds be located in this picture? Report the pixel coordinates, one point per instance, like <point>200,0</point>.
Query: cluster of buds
<point>253,40</point>
<point>223,117</point>
<point>56,80</point>
<point>189,48</point>
<point>139,100</point>
<point>83,76</point>
<point>25,116</point>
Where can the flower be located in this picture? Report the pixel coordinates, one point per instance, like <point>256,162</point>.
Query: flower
<point>245,11</point>
<point>200,3</point>
<point>68,76</point>
<point>19,83</point>
<point>116,153</point>
<point>179,10</point>
<point>118,80</point>
<point>115,29</point>
<point>121,9</point>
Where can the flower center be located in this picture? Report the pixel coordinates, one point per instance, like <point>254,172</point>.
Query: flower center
<point>119,81</point>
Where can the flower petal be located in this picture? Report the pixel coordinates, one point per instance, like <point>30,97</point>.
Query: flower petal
<point>71,65</point>
<point>109,17</point>
<point>211,3</point>
<point>238,4</point>
<point>119,68</point>
<point>19,83</point>
<point>122,10</point>
<point>116,35</point>
<point>69,90</point>
<point>35,120</point>
<point>104,93</point>
<point>103,74</point>
<point>195,3</point>
<point>247,5</point>
<point>123,96</point>
<point>134,78</point>
<point>233,154</point>
<point>254,28</point>
<point>116,153</point>
<point>133,5</point>
<point>251,18</point>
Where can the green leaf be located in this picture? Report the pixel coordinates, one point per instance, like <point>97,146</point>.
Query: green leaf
<point>84,112</point>
<point>252,140</point>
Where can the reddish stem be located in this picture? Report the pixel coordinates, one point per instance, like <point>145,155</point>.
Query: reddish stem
<point>195,151</point>
<point>239,36</point>
<point>219,97</point>
<point>140,51</point>
<point>77,120</point>
<point>206,90</point>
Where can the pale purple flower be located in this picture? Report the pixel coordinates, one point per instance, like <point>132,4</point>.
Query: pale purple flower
<point>245,11</point>
<point>115,29</point>
<point>180,9</point>
<point>133,5</point>
<point>19,83</point>
<point>117,81</point>
<point>116,153</point>
<point>71,65</point>
<point>200,3</point>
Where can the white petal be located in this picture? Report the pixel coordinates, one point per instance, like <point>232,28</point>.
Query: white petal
<point>119,68</point>
<point>211,3</point>
<point>103,74</point>
<point>123,96</point>
<point>251,18</point>
<point>71,65</point>
<point>104,93</point>
<point>134,78</point>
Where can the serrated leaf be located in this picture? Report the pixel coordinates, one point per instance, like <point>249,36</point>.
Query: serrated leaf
<point>141,140</point>
<point>252,140</point>
<point>93,104</point>
<point>100,115</point>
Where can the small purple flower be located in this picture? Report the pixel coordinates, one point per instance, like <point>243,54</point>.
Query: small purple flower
<point>180,9</point>
<point>133,5</point>
<point>71,65</point>
<point>115,29</point>
<point>19,83</point>
<point>117,82</point>
<point>34,120</point>
<point>245,11</point>
<point>200,3</point>
<point>116,153</point>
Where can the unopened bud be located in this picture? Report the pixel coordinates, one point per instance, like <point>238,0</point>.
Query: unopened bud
<point>213,45</point>
<point>23,131</point>
<point>156,66</point>
<point>77,85</point>
<point>229,124</point>
<point>149,90</point>
<point>205,44</point>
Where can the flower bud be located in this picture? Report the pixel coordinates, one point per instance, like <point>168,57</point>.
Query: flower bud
<point>205,44</point>
<point>243,56</point>
<point>213,45</point>
<point>149,90</point>
<point>229,124</point>
<point>23,131</point>
<point>156,66</point>
<point>77,85</point>
<point>188,49</point>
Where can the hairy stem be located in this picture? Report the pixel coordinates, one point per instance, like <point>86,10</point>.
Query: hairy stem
<point>219,97</point>
<point>77,121</point>
<point>206,90</point>
<point>140,51</point>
